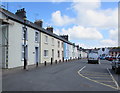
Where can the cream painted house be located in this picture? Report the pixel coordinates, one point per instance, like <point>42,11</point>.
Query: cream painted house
<point>51,47</point>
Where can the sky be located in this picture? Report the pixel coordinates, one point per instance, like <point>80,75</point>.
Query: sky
<point>88,24</point>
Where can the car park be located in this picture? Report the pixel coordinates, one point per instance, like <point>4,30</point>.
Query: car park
<point>116,64</point>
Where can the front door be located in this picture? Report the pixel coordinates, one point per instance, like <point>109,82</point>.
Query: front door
<point>36,55</point>
<point>53,54</point>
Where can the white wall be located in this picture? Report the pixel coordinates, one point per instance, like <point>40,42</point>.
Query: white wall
<point>106,52</point>
<point>31,46</point>
<point>15,45</point>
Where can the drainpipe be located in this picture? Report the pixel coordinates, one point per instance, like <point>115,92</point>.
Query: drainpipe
<point>25,60</point>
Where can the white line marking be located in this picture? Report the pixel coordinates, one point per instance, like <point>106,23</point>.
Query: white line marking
<point>99,62</point>
<point>113,79</point>
<point>81,69</point>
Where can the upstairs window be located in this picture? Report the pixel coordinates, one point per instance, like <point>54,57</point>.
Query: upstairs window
<point>46,39</point>
<point>58,43</point>
<point>36,36</point>
<point>24,33</point>
<point>52,41</point>
<point>62,45</point>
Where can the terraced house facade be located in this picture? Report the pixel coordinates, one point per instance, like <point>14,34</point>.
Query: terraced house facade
<point>23,41</point>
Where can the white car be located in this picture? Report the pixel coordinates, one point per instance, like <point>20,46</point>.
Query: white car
<point>93,58</point>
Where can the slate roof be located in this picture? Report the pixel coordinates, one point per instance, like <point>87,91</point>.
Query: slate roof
<point>16,18</point>
<point>115,50</point>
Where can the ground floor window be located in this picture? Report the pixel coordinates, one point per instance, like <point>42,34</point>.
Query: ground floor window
<point>45,53</point>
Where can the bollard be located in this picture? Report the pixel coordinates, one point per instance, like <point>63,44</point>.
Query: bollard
<point>51,61</point>
<point>63,59</point>
<point>36,64</point>
<point>56,61</point>
<point>45,63</point>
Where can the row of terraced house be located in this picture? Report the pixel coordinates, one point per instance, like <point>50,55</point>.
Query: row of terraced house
<point>24,41</point>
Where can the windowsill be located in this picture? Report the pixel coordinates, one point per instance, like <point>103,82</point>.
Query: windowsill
<point>36,42</point>
<point>45,57</point>
<point>24,39</point>
<point>46,42</point>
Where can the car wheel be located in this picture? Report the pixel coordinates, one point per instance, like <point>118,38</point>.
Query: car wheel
<point>113,68</point>
<point>116,70</point>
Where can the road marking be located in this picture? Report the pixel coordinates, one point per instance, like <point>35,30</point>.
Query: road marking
<point>82,69</point>
<point>113,79</point>
<point>99,62</point>
<point>95,80</point>
<point>95,74</point>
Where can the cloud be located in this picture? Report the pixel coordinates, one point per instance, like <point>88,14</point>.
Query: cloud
<point>82,33</point>
<point>60,20</point>
<point>109,42</point>
<point>91,12</point>
<point>89,21</point>
<point>113,34</point>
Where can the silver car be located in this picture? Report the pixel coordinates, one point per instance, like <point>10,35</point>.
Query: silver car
<point>116,64</point>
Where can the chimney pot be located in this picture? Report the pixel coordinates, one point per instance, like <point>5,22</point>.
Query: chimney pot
<point>50,29</point>
<point>39,23</point>
<point>21,13</point>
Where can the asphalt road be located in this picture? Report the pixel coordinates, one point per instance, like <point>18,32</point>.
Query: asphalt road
<point>67,76</point>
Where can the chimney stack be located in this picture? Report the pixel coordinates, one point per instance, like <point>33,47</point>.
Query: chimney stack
<point>21,13</point>
<point>39,23</point>
<point>64,36</point>
<point>50,29</point>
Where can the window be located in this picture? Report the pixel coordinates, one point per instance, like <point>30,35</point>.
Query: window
<point>24,33</point>
<point>36,36</point>
<point>46,39</point>
<point>58,53</point>
<point>52,41</point>
<point>45,53</point>
<point>26,52</point>
<point>58,43</point>
<point>62,45</point>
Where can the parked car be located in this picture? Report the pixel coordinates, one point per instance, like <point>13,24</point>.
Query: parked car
<point>93,58</point>
<point>116,64</point>
<point>106,57</point>
<point>110,58</point>
<point>102,57</point>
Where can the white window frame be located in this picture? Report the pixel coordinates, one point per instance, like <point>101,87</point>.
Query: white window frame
<point>37,36</point>
<point>23,33</point>
<point>53,41</point>
<point>46,39</point>
<point>46,54</point>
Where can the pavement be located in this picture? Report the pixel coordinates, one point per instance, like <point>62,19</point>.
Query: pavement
<point>66,76</point>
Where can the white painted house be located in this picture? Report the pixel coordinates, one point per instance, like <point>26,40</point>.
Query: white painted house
<point>103,52</point>
<point>13,38</point>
